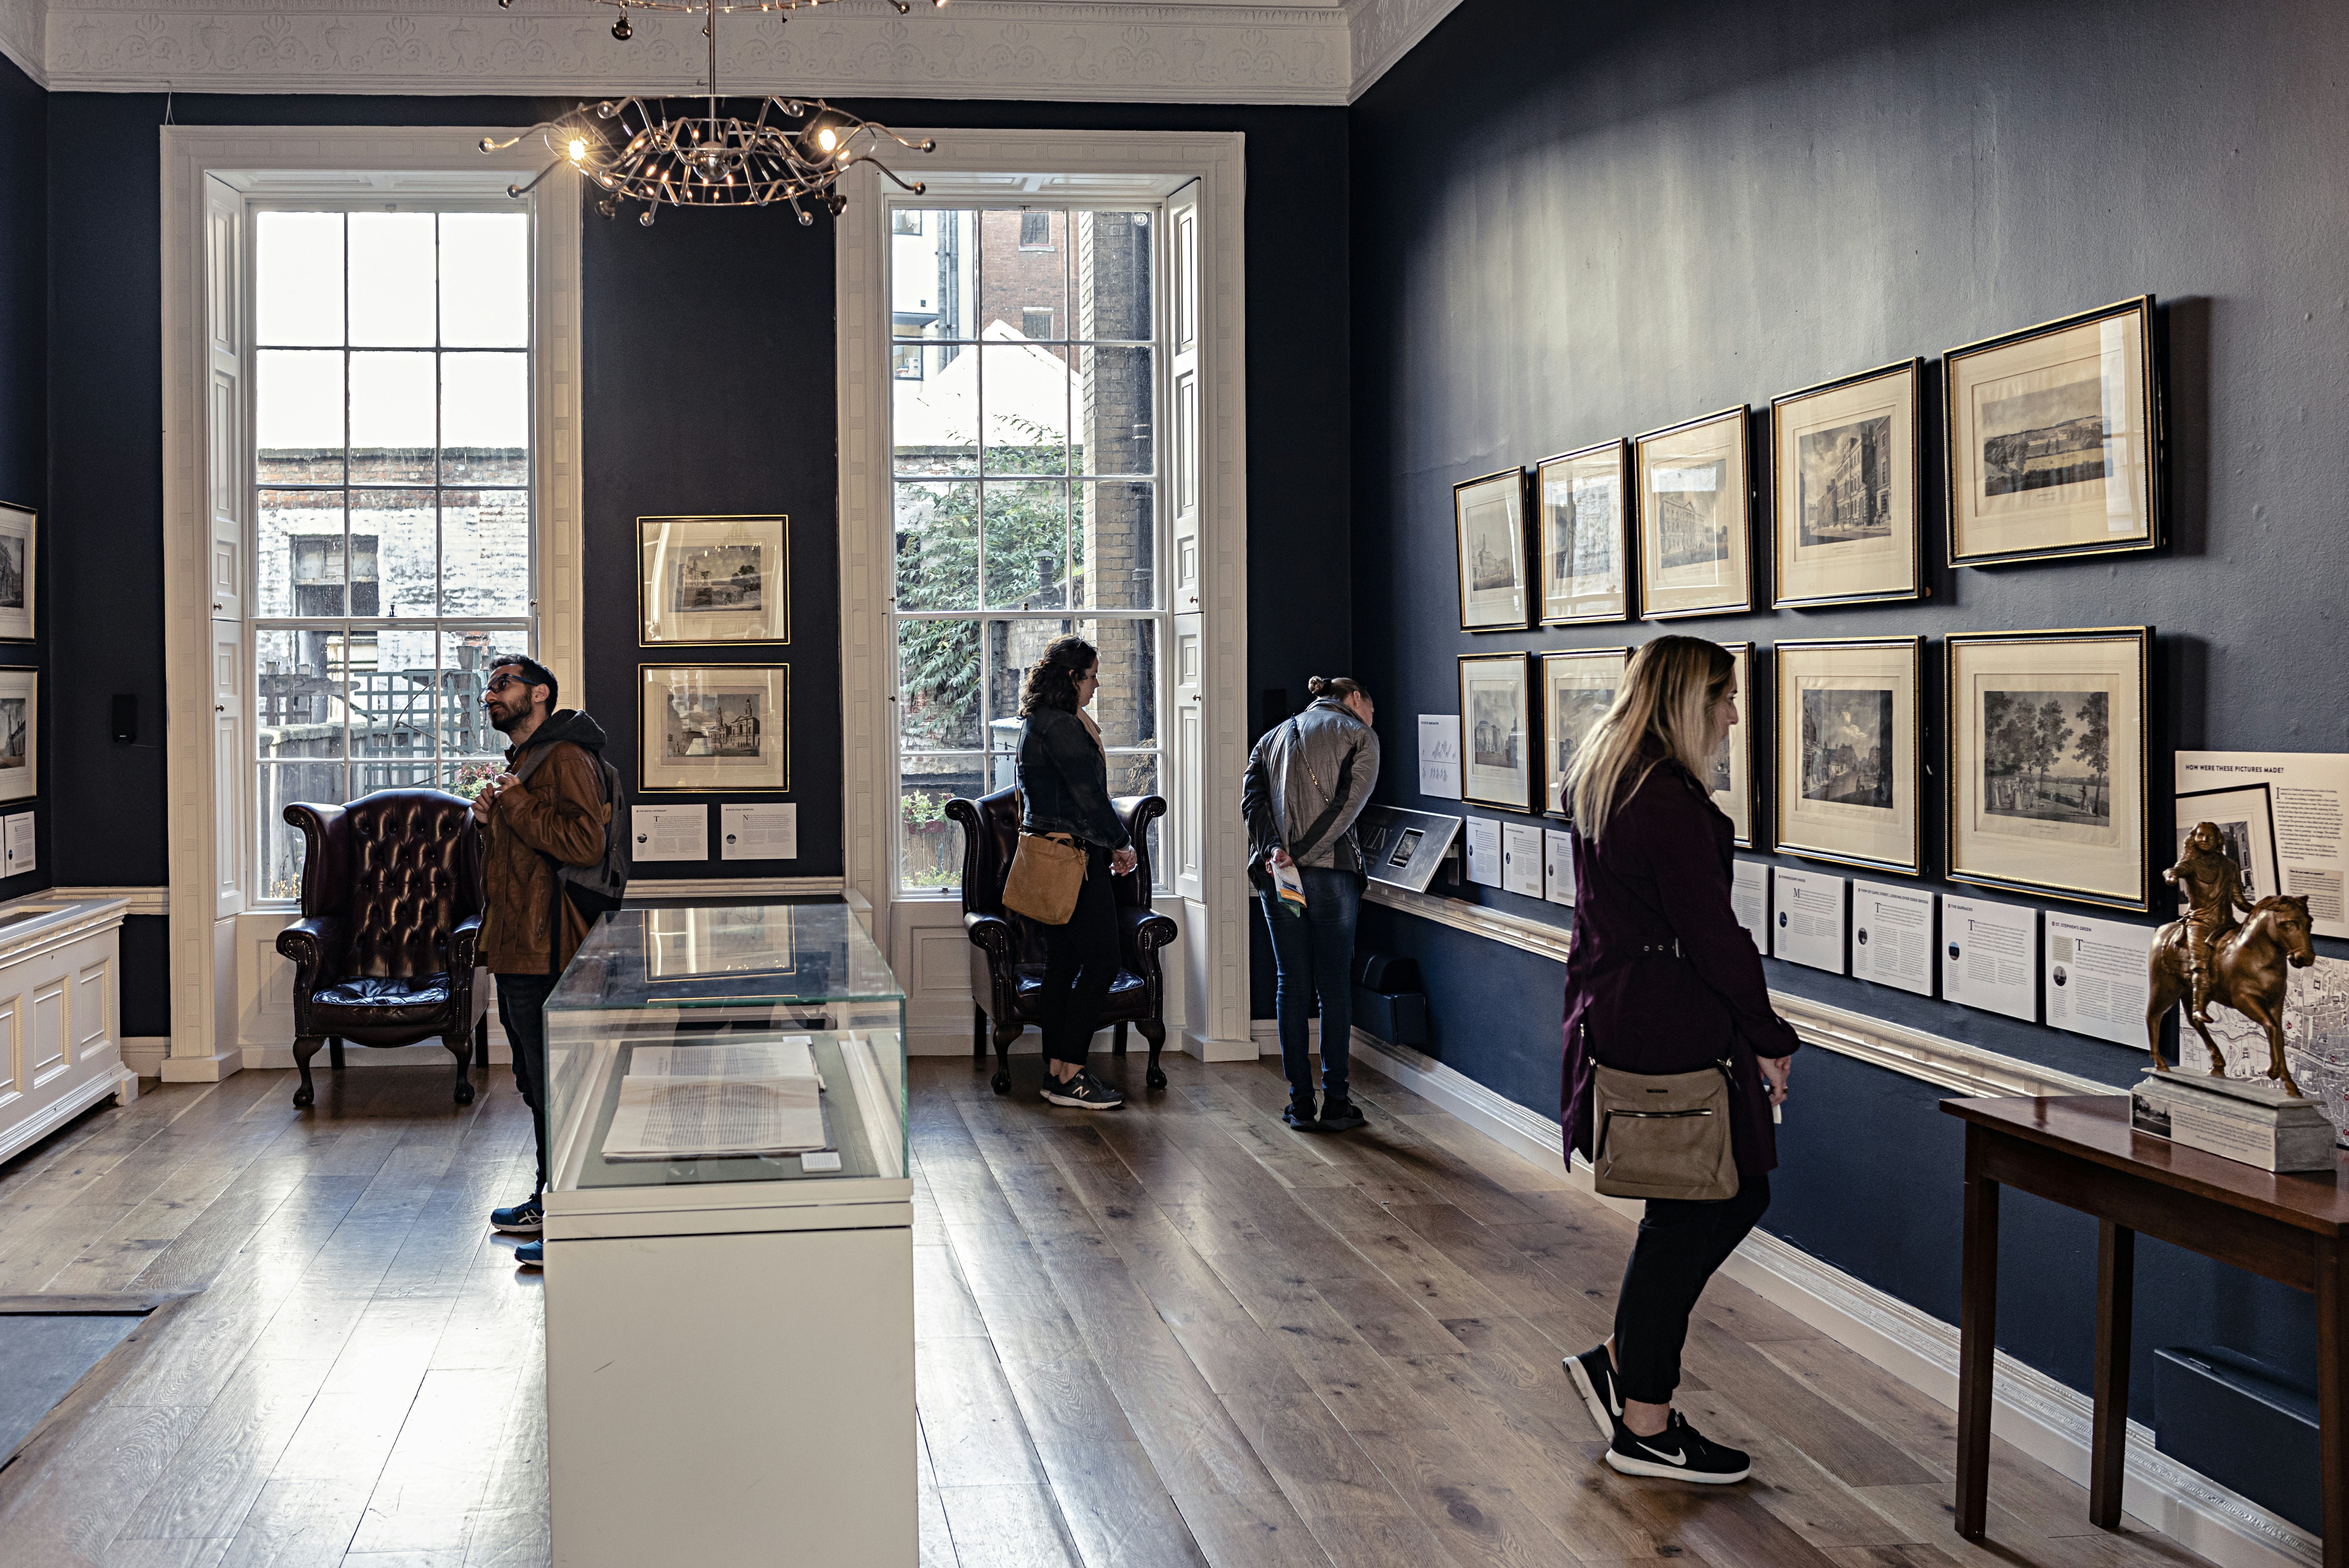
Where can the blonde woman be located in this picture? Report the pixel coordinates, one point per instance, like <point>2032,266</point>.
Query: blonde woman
<point>1664,980</point>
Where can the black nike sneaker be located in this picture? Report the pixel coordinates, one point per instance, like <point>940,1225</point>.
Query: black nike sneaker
<point>1593,1372</point>
<point>1679,1452</point>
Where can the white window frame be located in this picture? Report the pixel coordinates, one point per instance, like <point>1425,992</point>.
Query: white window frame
<point>1203,725</point>
<point>228,1002</point>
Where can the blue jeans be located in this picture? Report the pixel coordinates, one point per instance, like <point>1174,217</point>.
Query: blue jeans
<point>1314,952</point>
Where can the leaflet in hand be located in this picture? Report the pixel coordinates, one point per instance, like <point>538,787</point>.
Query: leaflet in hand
<point>1290,887</point>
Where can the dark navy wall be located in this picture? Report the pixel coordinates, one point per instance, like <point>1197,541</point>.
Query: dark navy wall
<point>24,425</point>
<point>1577,222</point>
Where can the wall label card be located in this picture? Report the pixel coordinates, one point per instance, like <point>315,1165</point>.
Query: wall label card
<point>1484,851</point>
<point>1988,955</point>
<point>757,831</point>
<point>2095,977</point>
<point>17,832</point>
<point>1439,755</point>
<point>1557,866</point>
<point>1807,926</point>
<point>1892,936</point>
<point>1521,860</point>
<point>669,832</point>
<point>2310,795</point>
<point>1749,896</point>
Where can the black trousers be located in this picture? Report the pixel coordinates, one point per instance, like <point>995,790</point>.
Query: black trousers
<point>1081,959</point>
<point>521,1009</point>
<point>1679,1247</point>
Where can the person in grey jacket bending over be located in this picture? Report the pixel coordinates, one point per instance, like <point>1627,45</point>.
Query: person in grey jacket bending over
<point>1064,790</point>
<point>1307,781</point>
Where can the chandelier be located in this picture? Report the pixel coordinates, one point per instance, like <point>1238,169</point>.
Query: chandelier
<point>792,150</point>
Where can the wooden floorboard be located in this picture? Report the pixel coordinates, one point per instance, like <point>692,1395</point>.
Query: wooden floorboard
<point>1179,1335</point>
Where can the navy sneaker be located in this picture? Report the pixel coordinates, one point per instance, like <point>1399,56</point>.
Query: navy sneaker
<point>1339,1115</point>
<point>1299,1113</point>
<point>522,1219</point>
<point>1593,1372</point>
<point>531,1256</point>
<point>1679,1452</point>
<point>1082,1092</point>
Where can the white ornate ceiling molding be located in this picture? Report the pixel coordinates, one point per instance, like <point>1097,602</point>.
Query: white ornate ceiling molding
<point>1382,31</point>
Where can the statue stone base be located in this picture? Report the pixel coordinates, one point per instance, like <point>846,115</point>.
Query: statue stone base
<point>2257,1121</point>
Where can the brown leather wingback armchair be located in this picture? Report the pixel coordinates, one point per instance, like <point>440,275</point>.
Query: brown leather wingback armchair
<point>1007,956</point>
<point>390,928</point>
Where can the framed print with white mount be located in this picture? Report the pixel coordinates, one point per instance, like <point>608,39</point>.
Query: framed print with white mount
<point>1496,730</point>
<point>20,733</point>
<point>714,579</point>
<point>1586,534</point>
<point>17,529</point>
<point>1731,778</point>
<point>1696,545</point>
<point>1851,751</point>
<point>711,727</point>
<point>2055,438</point>
<point>1488,517</point>
<point>1578,688</point>
<point>2047,763</point>
<point>1844,496</point>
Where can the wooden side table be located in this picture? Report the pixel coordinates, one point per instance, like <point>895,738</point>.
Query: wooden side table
<point>2080,1152</point>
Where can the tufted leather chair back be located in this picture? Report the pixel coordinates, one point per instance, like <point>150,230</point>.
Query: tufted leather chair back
<point>401,867</point>
<point>986,863</point>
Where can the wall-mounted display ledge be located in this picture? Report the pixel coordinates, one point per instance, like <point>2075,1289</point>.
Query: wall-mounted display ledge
<point>156,899</point>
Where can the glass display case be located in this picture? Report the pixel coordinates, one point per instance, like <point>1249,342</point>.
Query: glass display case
<point>716,1044</point>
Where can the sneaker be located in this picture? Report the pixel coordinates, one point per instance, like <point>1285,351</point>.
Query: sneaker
<point>1593,1372</point>
<point>1679,1452</point>
<point>1339,1115</point>
<point>1299,1114</point>
<point>1082,1092</point>
<point>531,1256</point>
<point>522,1219</point>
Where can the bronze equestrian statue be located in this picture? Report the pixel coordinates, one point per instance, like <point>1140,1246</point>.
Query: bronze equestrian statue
<point>2247,971</point>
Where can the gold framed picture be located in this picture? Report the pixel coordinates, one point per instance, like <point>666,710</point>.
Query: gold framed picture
<point>1846,493</point>
<point>2048,775</point>
<point>1732,776</point>
<point>1497,740</point>
<point>1578,688</point>
<point>18,530</point>
<point>714,579</point>
<point>713,728</point>
<point>20,733</point>
<point>1584,534</point>
<point>2055,438</point>
<point>1488,519</point>
<point>1696,545</point>
<point>1851,751</point>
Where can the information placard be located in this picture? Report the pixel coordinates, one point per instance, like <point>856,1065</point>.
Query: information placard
<point>1484,851</point>
<point>1892,936</point>
<point>1749,896</point>
<point>1521,860</point>
<point>2310,791</point>
<point>669,832</point>
<point>1989,954</point>
<point>758,831</point>
<point>1807,926</point>
<point>2095,977</point>
<point>1439,755</point>
<point>1557,866</point>
<point>16,830</point>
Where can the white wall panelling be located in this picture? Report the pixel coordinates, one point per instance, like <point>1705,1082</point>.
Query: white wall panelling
<point>60,962</point>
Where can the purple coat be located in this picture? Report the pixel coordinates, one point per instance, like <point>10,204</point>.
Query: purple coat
<point>1662,979</point>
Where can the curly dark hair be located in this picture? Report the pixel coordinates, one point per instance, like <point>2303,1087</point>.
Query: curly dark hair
<point>1053,680</point>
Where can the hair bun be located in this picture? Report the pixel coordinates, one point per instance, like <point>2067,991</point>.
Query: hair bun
<point>1315,685</point>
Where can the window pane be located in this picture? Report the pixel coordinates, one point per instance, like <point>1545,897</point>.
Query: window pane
<point>485,418</point>
<point>485,552</point>
<point>932,842</point>
<point>394,554</point>
<point>933,275</point>
<point>391,280</point>
<point>298,417</point>
<point>1114,411</point>
<point>1132,773</point>
<point>484,280</point>
<point>392,709</point>
<point>314,783</point>
<point>465,660</point>
<point>391,417</point>
<point>937,546</point>
<point>1025,389</point>
<point>298,278</point>
<point>1126,706</point>
<point>298,556</point>
<point>297,694</point>
<point>934,426</point>
<point>1025,525</point>
<point>1113,275</point>
<point>1024,265</point>
<point>938,683</point>
<point>1117,540</point>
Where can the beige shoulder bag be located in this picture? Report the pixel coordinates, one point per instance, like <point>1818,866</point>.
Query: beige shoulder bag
<point>1663,1135</point>
<point>1047,874</point>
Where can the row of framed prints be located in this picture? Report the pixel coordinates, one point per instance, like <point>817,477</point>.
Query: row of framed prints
<point>2045,781</point>
<point>2052,450</point>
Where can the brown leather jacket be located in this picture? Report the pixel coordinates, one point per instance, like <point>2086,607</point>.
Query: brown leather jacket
<point>558,811</point>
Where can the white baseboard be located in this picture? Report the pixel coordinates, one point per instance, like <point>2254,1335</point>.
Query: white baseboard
<point>2038,1415</point>
<point>426,1053</point>
<point>144,1053</point>
<point>121,1086</point>
<point>208,1068</point>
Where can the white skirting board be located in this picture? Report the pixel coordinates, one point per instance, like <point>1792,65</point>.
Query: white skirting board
<point>429,1053</point>
<point>2038,1415</point>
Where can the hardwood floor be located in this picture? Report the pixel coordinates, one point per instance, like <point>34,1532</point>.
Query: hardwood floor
<point>1177,1335</point>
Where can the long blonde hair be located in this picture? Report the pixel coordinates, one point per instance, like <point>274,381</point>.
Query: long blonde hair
<point>1667,693</point>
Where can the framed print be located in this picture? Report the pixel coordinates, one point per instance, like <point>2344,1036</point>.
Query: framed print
<point>2054,434</point>
<point>1850,751</point>
<point>20,725</point>
<point>1578,688</point>
<point>1696,549</point>
<point>714,579</point>
<point>1732,779</point>
<point>716,727</point>
<point>1845,494</point>
<point>2245,817</point>
<point>2047,763</point>
<point>1488,516</point>
<point>15,574</point>
<point>1496,730</point>
<point>1586,534</point>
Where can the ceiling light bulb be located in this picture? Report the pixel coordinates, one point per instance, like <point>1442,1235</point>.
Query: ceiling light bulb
<point>827,139</point>
<point>578,148</point>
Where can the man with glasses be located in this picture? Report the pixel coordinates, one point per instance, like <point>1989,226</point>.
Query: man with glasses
<point>543,810</point>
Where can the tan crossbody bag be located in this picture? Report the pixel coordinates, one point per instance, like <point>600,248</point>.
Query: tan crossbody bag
<point>1047,874</point>
<point>1663,1135</point>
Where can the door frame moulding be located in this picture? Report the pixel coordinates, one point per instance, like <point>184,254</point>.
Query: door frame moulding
<point>207,662</point>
